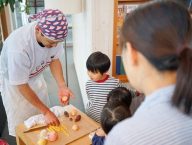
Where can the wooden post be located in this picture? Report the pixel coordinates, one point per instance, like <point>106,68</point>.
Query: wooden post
<point>4,23</point>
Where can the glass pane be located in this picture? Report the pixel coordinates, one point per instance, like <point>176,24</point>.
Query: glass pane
<point>35,3</point>
<point>18,15</point>
<point>36,6</point>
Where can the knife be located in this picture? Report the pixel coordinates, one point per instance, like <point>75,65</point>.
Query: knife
<point>35,129</point>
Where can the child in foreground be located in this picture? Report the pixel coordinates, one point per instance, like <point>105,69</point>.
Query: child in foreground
<point>115,110</point>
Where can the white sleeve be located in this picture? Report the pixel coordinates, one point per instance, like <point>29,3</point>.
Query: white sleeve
<point>114,138</point>
<point>18,68</point>
<point>59,52</point>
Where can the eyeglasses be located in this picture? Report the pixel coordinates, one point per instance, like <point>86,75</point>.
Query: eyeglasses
<point>51,42</point>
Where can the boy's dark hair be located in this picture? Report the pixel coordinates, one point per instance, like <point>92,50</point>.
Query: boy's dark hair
<point>120,94</point>
<point>98,62</point>
<point>113,113</point>
<point>162,32</point>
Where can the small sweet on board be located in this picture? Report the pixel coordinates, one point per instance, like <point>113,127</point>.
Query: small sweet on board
<point>73,111</point>
<point>42,141</point>
<point>77,118</point>
<point>66,114</point>
<point>75,127</point>
<point>52,136</point>
<point>43,134</point>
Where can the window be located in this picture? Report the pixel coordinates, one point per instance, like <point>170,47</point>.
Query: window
<point>33,7</point>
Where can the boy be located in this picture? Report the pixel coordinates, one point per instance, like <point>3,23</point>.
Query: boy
<point>100,84</point>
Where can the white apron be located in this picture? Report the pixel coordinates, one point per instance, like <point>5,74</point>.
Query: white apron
<point>16,106</point>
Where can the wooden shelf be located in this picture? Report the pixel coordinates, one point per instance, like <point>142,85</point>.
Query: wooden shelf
<point>122,78</point>
<point>120,5</point>
<point>132,0</point>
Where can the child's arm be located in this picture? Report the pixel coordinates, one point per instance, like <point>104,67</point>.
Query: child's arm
<point>100,132</point>
<point>99,137</point>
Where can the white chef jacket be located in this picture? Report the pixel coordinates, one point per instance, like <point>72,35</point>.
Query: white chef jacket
<point>22,61</point>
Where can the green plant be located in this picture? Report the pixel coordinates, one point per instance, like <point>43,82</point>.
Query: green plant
<point>6,2</point>
<point>25,8</point>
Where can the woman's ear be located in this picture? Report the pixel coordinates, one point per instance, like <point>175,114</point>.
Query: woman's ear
<point>133,53</point>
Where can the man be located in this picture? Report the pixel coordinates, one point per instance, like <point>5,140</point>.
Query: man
<point>26,53</point>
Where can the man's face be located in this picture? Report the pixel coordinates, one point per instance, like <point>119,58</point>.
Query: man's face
<point>47,42</point>
<point>44,41</point>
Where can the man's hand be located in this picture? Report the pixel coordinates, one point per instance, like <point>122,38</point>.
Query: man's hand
<point>64,92</point>
<point>51,119</point>
<point>64,95</point>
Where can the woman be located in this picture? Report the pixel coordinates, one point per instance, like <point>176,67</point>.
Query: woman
<point>157,55</point>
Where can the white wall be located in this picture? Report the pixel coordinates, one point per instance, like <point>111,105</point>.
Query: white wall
<point>103,27</point>
<point>92,31</point>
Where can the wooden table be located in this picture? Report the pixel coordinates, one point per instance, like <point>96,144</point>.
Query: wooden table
<point>23,139</point>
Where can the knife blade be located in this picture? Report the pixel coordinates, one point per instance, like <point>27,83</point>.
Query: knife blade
<point>35,129</point>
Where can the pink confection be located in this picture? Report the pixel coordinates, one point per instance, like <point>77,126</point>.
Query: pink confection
<point>52,136</point>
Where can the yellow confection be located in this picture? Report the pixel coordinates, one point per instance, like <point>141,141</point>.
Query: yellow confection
<point>42,142</point>
<point>43,134</point>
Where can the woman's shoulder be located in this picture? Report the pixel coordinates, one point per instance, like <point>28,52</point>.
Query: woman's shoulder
<point>120,133</point>
<point>152,127</point>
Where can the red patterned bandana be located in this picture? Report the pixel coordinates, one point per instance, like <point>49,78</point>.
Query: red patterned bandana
<point>52,23</point>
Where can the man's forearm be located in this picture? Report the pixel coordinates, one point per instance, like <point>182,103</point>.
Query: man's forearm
<point>57,72</point>
<point>30,96</point>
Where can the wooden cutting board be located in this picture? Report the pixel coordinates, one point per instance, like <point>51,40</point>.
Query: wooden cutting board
<point>86,126</point>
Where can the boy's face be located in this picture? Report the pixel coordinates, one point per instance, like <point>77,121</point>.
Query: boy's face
<point>95,76</point>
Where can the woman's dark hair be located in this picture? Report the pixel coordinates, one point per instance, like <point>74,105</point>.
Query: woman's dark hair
<point>120,94</point>
<point>113,113</point>
<point>98,62</point>
<point>162,32</point>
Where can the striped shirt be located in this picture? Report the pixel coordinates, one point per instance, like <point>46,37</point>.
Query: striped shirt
<point>156,122</point>
<point>97,95</point>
